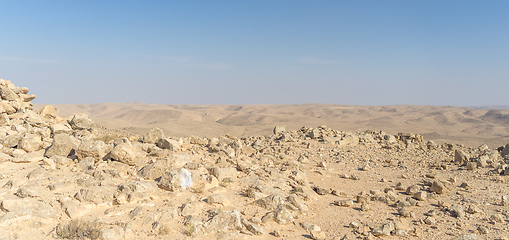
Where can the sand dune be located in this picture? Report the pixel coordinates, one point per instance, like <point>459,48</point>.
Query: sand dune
<point>468,126</point>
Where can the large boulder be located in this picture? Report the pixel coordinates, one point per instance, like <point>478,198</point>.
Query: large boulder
<point>125,153</point>
<point>81,122</point>
<point>62,145</point>
<point>92,148</point>
<point>7,94</point>
<point>153,135</point>
<point>48,112</point>
<point>31,142</point>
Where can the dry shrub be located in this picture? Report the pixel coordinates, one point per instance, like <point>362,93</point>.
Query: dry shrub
<point>79,229</point>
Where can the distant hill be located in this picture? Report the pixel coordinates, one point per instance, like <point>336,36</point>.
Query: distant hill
<point>469,126</point>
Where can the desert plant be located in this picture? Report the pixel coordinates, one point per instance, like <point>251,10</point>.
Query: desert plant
<point>79,229</point>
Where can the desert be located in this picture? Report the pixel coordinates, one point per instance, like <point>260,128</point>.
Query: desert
<point>311,171</point>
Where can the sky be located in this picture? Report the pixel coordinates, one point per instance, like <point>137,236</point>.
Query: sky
<point>366,52</point>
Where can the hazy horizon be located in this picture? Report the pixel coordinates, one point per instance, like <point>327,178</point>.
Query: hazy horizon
<point>443,53</point>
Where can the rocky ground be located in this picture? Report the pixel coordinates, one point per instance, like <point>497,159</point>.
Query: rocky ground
<point>68,178</point>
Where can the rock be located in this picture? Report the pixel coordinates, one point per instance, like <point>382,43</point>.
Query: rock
<point>81,121</point>
<point>59,128</point>
<point>224,221</point>
<point>30,157</point>
<point>471,165</point>
<point>270,202</point>
<point>466,237</point>
<point>354,225</point>
<point>153,136</point>
<point>457,211</point>
<point>175,180</point>
<point>7,94</point>
<point>62,145</point>
<point>253,228</point>
<point>321,191</point>
<point>460,157</point>
<point>465,185</point>
<point>4,119</point>
<point>411,190</point>
<point>483,230</point>
<point>404,212</point>
<point>222,173</point>
<point>362,199</point>
<point>282,215</point>
<point>473,209</point>
<point>170,144</point>
<point>73,209</point>
<point>430,221</point>
<point>421,195</point>
<point>96,194</point>
<point>438,187</point>
<point>279,129</point>
<point>61,161</point>
<point>317,235</point>
<point>155,169</point>
<point>24,209</point>
<point>91,148</point>
<point>136,191</point>
<point>297,202</point>
<point>124,153</point>
<point>497,218</point>
<point>218,199</point>
<point>384,230</point>
<point>505,151</point>
<point>112,233</point>
<point>48,112</point>
<point>31,142</point>
<point>344,203</point>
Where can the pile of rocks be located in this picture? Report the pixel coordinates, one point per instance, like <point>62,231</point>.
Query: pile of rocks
<point>69,178</point>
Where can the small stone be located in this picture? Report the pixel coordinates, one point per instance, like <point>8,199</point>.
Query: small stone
<point>466,237</point>
<point>384,230</point>
<point>438,187</point>
<point>317,235</point>
<point>430,221</point>
<point>362,199</point>
<point>473,209</point>
<point>404,212</point>
<point>253,228</point>
<point>465,185</point>
<point>483,230</point>
<point>411,190</point>
<point>400,187</point>
<point>355,177</point>
<point>471,165</point>
<point>460,157</point>
<point>322,164</point>
<point>277,233</point>
<point>354,225</point>
<point>457,211</point>
<point>497,218</point>
<point>401,233</point>
<point>504,201</point>
<point>365,168</point>
<point>365,207</point>
<point>421,196</point>
<point>321,191</point>
<point>344,203</point>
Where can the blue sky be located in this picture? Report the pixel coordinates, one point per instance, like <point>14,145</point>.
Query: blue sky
<point>258,52</point>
